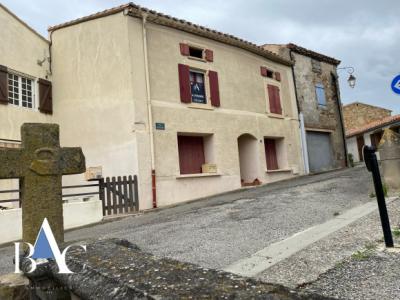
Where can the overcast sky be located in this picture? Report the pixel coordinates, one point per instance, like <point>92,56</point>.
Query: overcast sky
<point>363,34</point>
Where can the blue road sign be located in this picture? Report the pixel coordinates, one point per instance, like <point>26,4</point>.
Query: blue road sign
<point>396,84</point>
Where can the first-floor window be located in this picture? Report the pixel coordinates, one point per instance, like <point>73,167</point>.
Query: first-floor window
<point>274,98</point>
<point>20,90</point>
<point>197,87</point>
<point>270,154</point>
<point>320,92</point>
<point>191,154</point>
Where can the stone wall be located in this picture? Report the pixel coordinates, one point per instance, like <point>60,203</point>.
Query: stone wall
<point>317,117</point>
<point>359,114</point>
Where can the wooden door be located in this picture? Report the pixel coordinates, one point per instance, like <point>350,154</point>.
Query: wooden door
<point>360,145</point>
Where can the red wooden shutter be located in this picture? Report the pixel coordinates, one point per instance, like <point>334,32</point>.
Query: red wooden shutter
<point>214,88</point>
<point>270,154</point>
<point>274,100</point>
<point>3,85</point>
<point>278,107</point>
<point>184,83</point>
<point>278,76</point>
<point>191,154</point>
<point>271,98</point>
<point>209,55</point>
<point>184,49</point>
<point>263,71</point>
<point>45,96</point>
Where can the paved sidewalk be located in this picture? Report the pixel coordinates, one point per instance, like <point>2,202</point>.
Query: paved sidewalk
<point>219,231</point>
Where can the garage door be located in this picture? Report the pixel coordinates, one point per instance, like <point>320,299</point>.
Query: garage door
<point>319,151</point>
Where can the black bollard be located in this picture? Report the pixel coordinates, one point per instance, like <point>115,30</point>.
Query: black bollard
<point>372,165</point>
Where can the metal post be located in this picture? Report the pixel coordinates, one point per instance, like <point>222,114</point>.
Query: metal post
<point>372,165</point>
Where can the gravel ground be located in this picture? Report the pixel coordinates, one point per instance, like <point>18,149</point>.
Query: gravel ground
<point>373,278</point>
<point>308,264</point>
<point>218,231</point>
<point>368,270</point>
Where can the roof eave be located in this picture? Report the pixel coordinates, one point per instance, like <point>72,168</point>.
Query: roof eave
<point>165,20</point>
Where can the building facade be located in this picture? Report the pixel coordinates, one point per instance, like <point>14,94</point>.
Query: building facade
<point>365,125</point>
<point>25,80</point>
<point>319,105</point>
<point>192,111</point>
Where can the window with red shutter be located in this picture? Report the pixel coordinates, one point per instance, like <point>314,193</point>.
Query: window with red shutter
<point>270,154</point>
<point>191,154</point>
<point>274,99</point>
<point>184,83</point>
<point>278,76</point>
<point>214,88</point>
<point>266,72</point>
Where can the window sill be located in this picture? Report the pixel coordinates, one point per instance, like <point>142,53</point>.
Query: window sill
<point>278,171</point>
<point>276,116</point>
<point>197,175</point>
<point>197,58</point>
<point>200,106</point>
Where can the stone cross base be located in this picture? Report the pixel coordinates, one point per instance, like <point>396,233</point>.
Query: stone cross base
<point>117,269</point>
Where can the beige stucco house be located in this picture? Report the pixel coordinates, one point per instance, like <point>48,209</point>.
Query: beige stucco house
<point>192,111</point>
<point>24,76</point>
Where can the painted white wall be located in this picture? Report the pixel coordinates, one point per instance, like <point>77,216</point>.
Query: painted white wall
<point>352,148</point>
<point>75,215</point>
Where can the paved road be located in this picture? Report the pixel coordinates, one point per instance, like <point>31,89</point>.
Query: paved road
<point>218,231</point>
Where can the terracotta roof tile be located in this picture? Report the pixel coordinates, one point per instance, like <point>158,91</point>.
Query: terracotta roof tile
<point>373,125</point>
<point>160,18</point>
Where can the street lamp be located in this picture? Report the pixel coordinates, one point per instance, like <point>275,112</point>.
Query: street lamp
<point>352,79</point>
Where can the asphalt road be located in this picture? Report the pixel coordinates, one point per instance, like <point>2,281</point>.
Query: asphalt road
<point>218,231</point>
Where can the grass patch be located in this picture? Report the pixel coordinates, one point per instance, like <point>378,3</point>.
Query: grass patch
<point>367,252</point>
<point>361,255</point>
<point>396,232</point>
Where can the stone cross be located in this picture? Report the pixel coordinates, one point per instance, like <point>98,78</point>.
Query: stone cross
<point>389,152</point>
<point>40,164</point>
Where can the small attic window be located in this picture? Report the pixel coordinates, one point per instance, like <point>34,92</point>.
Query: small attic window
<point>270,74</point>
<point>196,52</point>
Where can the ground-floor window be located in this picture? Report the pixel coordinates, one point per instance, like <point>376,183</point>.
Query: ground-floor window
<point>194,152</point>
<point>191,154</point>
<point>270,154</point>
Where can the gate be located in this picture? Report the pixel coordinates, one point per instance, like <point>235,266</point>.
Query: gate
<point>119,195</point>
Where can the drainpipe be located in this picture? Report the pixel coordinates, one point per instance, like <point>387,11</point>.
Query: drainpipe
<point>303,140</point>
<point>339,105</point>
<point>149,112</point>
<point>304,144</point>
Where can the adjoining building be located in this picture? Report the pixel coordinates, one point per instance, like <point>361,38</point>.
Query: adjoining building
<point>319,104</point>
<point>192,111</point>
<point>365,125</point>
<point>25,82</point>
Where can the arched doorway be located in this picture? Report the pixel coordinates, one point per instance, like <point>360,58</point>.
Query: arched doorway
<point>248,159</point>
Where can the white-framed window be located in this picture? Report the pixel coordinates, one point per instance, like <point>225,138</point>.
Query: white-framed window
<point>20,90</point>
